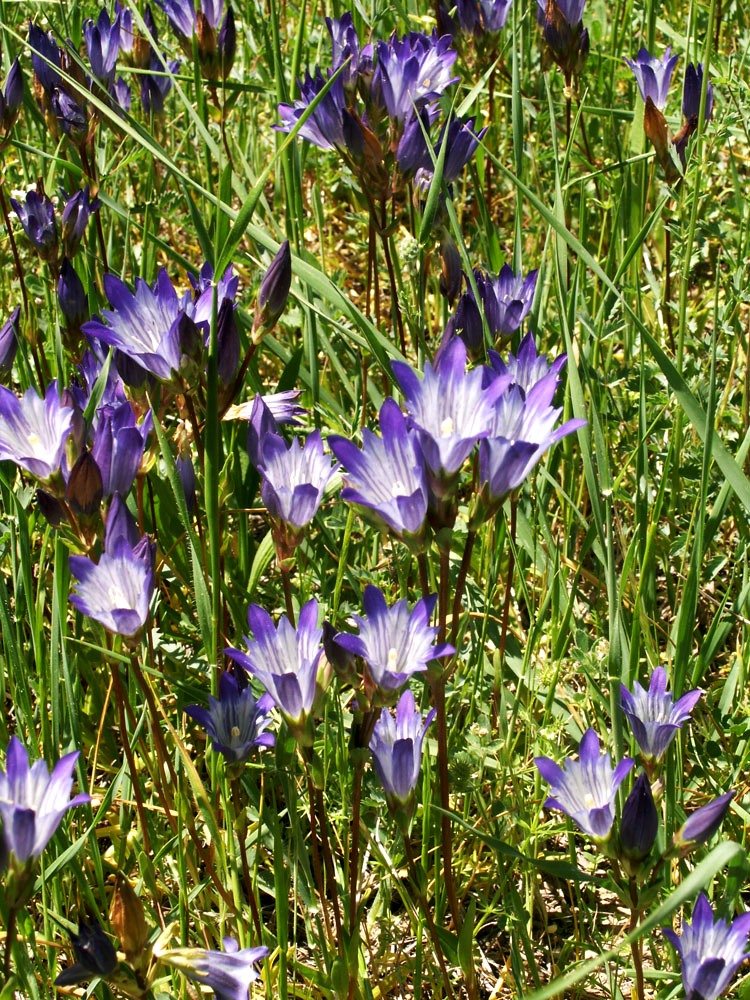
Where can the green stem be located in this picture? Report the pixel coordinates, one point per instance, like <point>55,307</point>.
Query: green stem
<point>428,916</point>
<point>10,937</point>
<point>120,697</point>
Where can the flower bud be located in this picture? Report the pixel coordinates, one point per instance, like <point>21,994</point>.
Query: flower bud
<point>128,920</point>
<point>9,334</point>
<point>71,295</point>
<point>71,116</point>
<point>206,46</point>
<point>451,274</point>
<point>79,208</point>
<point>640,821</point>
<point>95,956</point>
<point>84,489</point>
<point>11,98</point>
<point>702,824</point>
<point>227,43</point>
<point>274,290</point>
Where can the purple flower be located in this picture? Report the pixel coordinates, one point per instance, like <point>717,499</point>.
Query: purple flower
<point>394,642</point>
<point>294,478</point>
<point>586,788</point>
<point>566,38</point>
<point>11,97</point>
<point>119,443</point>
<point>450,408</point>
<point>216,41</point>
<point>411,71</point>
<point>476,17</point>
<point>201,312</point>
<point>9,334</point>
<point>181,16</point>
<point>640,821</point>
<point>262,425</point>
<point>285,661</point>
<point>37,216</point>
<point>282,406</point>
<point>653,75</point>
<point>156,84</point>
<point>691,94</point>
<point>95,956</point>
<point>274,288</point>
<point>71,295</point>
<point>89,370</point>
<point>494,14</point>
<point>571,10</point>
<point>346,50</point>
<point>79,208</point>
<point>711,950</point>
<point>396,747</point>
<point>226,44</point>
<point>103,46</point>
<point>325,126</point>
<point>522,431</point>
<point>527,367</point>
<point>507,299</point>
<point>653,715</point>
<point>388,475</point>
<point>33,802</point>
<point>235,721</point>
<point>460,141</point>
<point>128,30</point>
<point>70,115</point>
<point>145,325</point>
<point>116,591</point>
<point>228,973</point>
<point>45,58</point>
<point>122,94</point>
<point>703,823</point>
<point>33,431</point>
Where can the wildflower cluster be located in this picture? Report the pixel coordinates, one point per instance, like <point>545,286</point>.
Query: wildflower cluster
<point>586,790</point>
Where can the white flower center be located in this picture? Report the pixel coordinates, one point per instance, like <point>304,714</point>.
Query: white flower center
<point>392,658</point>
<point>589,801</point>
<point>446,428</point>
<point>398,489</point>
<point>235,732</point>
<point>117,597</point>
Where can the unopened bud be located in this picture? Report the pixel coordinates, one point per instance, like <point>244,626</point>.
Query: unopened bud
<point>128,919</point>
<point>95,956</point>
<point>274,290</point>
<point>640,821</point>
<point>71,295</point>
<point>451,269</point>
<point>9,333</point>
<point>84,489</point>
<point>702,824</point>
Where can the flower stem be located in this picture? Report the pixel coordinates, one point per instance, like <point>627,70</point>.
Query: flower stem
<point>463,572</point>
<point>635,947</point>
<point>317,868</point>
<point>10,938</point>
<point>428,916</point>
<point>237,796</point>
<point>286,580</point>
<point>506,608</point>
<point>438,692</point>
<point>396,305</point>
<point>119,694</point>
